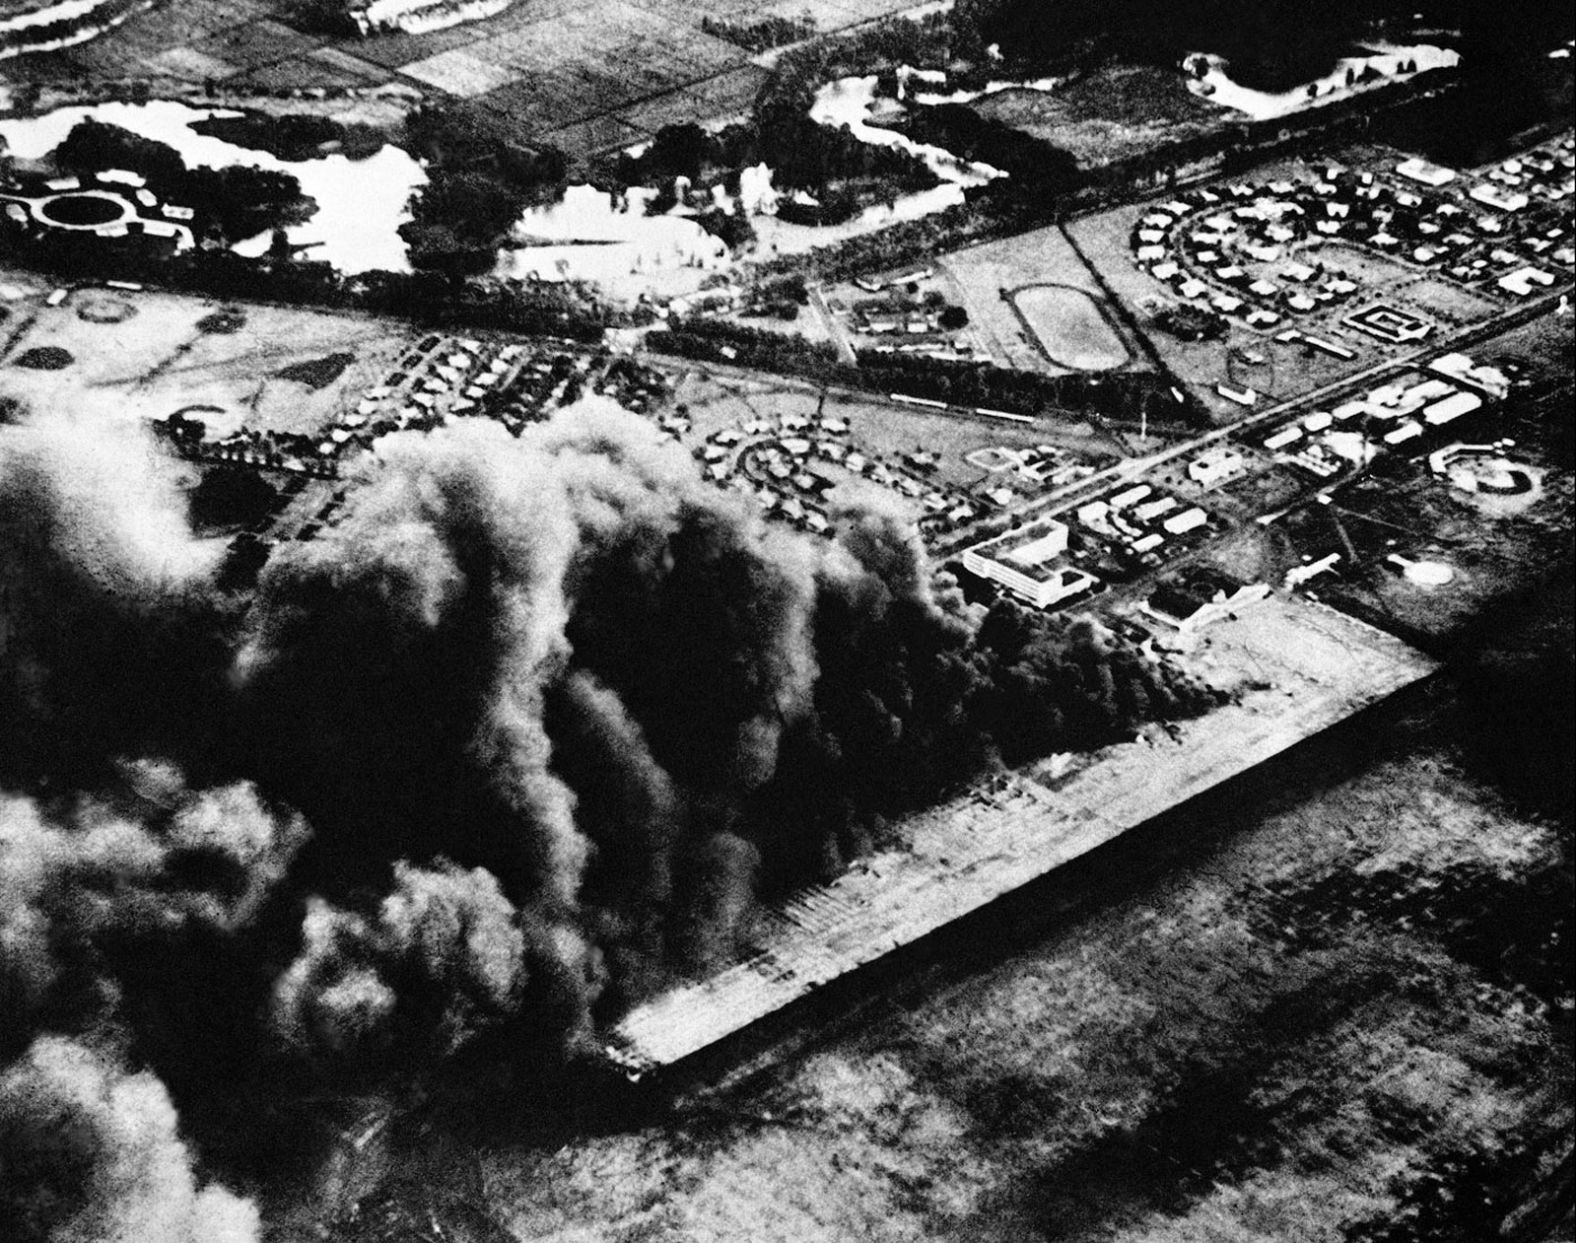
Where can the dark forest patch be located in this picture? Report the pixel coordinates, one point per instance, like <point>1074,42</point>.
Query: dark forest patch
<point>222,322</point>
<point>316,372</point>
<point>45,358</point>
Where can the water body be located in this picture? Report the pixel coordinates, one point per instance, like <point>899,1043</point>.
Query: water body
<point>360,203</point>
<point>851,101</point>
<point>910,76</point>
<point>1218,86</point>
<point>590,235</point>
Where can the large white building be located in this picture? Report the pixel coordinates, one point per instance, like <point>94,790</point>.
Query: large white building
<point>1025,563</point>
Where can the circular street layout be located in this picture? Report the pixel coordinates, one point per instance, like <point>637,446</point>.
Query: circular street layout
<point>82,209</point>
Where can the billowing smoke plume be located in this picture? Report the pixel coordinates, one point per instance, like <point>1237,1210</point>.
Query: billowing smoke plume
<point>523,734</point>
<point>442,958</point>
<point>103,883</point>
<point>102,587</point>
<point>92,1154</point>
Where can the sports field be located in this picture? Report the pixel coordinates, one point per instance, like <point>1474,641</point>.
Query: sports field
<point>984,276</point>
<point>1070,327</point>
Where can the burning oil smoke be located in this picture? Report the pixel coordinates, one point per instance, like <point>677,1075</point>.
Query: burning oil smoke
<point>91,1154</point>
<point>525,732</point>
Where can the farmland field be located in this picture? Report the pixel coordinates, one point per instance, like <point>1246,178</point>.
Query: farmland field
<point>1070,327</point>
<point>586,77</point>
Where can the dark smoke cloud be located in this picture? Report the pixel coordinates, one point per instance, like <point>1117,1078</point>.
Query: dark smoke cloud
<point>105,601</point>
<point>90,1153</point>
<point>101,880</point>
<point>524,734</point>
<point>440,959</point>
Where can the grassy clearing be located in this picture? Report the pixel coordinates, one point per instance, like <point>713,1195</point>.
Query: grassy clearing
<point>1110,113</point>
<point>276,369</point>
<point>715,403</point>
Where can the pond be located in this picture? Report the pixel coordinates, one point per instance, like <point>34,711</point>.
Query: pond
<point>850,102</point>
<point>590,235</point>
<point>360,203</point>
<point>1216,83</point>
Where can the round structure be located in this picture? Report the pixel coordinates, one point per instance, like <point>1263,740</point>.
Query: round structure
<point>1429,573</point>
<point>1249,367</point>
<point>83,209</point>
<point>97,308</point>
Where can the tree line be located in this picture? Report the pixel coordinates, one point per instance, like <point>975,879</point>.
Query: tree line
<point>478,186</point>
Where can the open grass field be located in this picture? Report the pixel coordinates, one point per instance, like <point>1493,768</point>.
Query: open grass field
<point>719,401</point>
<point>1441,301</point>
<point>163,358</point>
<point>896,429</point>
<point>1489,553</point>
<point>586,76</point>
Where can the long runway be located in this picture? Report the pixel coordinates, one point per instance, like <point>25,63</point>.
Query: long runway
<point>1320,667</point>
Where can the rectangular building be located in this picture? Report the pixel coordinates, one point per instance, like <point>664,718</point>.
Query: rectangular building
<point>1024,563</point>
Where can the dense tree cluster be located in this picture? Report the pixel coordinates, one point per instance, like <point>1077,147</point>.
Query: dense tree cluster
<point>478,185</point>
<point>235,202</point>
<point>293,136</point>
<point>1123,396</point>
<point>44,33</point>
<point>762,35</point>
<point>801,154</point>
<point>733,228</point>
<point>1188,321</point>
<point>1271,44</point>
<point>1038,169</point>
<point>560,309</point>
<point>720,341</point>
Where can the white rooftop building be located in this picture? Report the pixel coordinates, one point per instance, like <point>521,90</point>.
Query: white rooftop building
<point>1420,170</point>
<point>1024,563</point>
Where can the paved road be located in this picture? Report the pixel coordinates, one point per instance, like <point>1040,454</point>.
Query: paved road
<point>1134,468</point>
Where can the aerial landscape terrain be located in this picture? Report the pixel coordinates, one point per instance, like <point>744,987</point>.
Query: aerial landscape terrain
<point>857,620</point>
